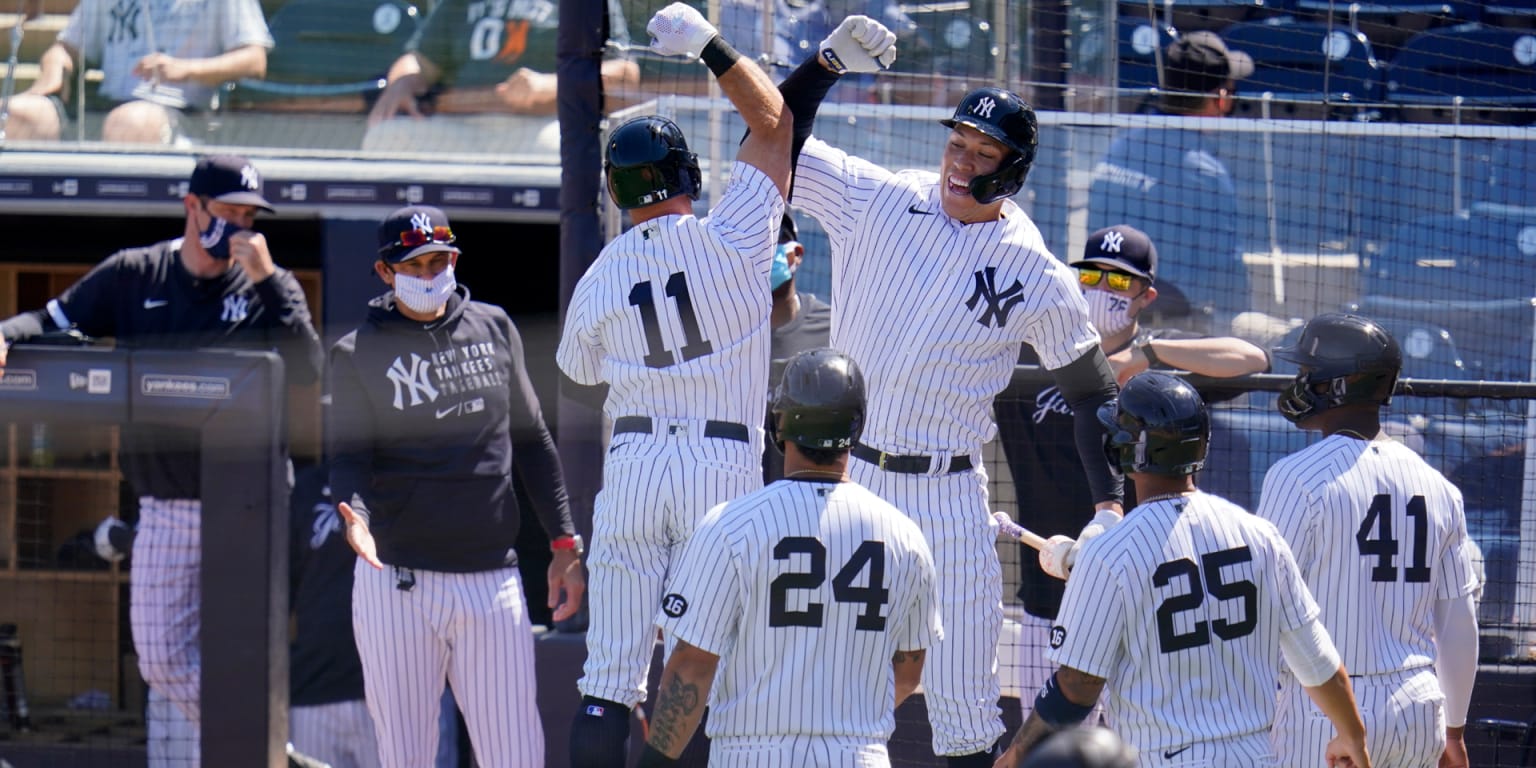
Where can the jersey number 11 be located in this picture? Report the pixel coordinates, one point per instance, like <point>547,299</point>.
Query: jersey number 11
<point>656,353</point>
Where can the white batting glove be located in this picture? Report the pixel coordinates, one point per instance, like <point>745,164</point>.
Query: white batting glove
<point>1102,521</point>
<point>859,44</point>
<point>680,30</point>
<point>1053,556</point>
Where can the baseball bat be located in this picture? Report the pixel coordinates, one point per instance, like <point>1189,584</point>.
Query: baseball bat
<point>1007,527</point>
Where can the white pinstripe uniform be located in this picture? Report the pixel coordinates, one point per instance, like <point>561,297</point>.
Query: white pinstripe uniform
<point>1380,535</point>
<point>1181,608</point>
<point>673,314</point>
<point>805,590</point>
<point>934,311</point>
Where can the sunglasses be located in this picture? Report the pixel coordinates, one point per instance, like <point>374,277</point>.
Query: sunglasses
<point>414,238</point>
<point>1118,281</point>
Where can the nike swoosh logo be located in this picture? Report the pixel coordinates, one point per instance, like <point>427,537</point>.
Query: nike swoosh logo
<point>453,409</point>
<point>155,303</point>
<point>918,211</point>
<point>1171,754</point>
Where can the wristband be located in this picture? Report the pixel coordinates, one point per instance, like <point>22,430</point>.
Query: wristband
<point>1144,343</point>
<point>562,543</point>
<point>1056,710</point>
<point>719,56</point>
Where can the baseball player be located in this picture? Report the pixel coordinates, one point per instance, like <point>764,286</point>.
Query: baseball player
<point>801,611</point>
<point>1381,538</point>
<point>936,281</point>
<point>214,286</point>
<point>430,410</point>
<point>674,317</point>
<point>1184,610</point>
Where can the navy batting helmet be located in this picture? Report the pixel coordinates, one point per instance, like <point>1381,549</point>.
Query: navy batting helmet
<point>1082,748</point>
<point>648,161</point>
<point>1343,359</point>
<point>1158,425</point>
<point>1004,117</point>
<point>819,402</point>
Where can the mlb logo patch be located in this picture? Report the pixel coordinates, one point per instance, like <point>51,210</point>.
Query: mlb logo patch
<point>1058,636</point>
<point>594,710</point>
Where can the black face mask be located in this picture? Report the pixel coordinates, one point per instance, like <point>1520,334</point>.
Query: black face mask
<point>215,237</point>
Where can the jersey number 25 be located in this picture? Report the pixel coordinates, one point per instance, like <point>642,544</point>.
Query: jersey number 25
<point>1168,639</point>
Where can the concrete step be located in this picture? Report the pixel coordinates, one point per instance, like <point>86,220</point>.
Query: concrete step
<point>37,34</point>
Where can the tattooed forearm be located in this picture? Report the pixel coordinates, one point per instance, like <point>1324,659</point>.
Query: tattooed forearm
<point>677,715</point>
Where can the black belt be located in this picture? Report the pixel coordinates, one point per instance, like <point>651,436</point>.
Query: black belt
<point>909,465</point>
<point>643,425</point>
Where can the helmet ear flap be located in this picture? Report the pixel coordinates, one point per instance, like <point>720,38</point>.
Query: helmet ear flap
<point>1005,182</point>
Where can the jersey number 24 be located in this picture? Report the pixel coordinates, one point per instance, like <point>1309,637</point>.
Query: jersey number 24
<point>870,554</point>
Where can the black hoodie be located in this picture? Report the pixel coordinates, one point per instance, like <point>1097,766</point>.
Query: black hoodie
<point>425,422</point>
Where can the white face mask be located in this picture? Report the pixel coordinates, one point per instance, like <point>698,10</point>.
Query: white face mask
<point>425,296</point>
<point>1110,312</point>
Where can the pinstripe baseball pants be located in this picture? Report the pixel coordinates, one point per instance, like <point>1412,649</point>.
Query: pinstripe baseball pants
<point>165,594</point>
<point>339,734</point>
<point>797,752</point>
<point>655,487</point>
<point>960,681</point>
<point>172,741</point>
<point>1249,750</point>
<point>468,628</point>
<point>1403,713</point>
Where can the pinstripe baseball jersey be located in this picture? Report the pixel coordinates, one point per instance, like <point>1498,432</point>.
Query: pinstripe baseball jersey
<point>936,325</point>
<point>674,312</point>
<point>1382,536</point>
<point>1181,608</point>
<point>805,590</point>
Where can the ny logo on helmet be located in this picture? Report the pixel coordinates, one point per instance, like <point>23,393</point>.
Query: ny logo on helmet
<point>984,106</point>
<point>421,221</point>
<point>1112,242</point>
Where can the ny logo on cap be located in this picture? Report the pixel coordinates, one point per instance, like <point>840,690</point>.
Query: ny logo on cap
<point>421,221</point>
<point>249,179</point>
<point>1112,242</point>
<point>984,107</point>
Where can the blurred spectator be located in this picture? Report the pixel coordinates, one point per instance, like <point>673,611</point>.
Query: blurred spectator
<point>161,65</point>
<point>479,76</point>
<point>1169,183</point>
<point>800,321</point>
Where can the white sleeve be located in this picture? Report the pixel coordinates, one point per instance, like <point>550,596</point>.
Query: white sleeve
<point>746,217</point>
<point>1456,574</point>
<point>1060,332</point>
<point>834,187</point>
<point>1090,630</point>
<point>243,24</point>
<point>580,355</point>
<point>1310,653</point>
<point>1456,655</point>
<point>1283,502</point>
<point>1291,601</point>
<point>80,32</point>
<point>922,628</point>
<point>703,603</point>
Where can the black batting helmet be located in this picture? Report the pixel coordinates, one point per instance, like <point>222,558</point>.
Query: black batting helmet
<point>1158,425</point>
<point>1004,117</point>
<point>648,161</point>
<point>819,402</point>
<point>1082,748</point>
<point>1343,359</point>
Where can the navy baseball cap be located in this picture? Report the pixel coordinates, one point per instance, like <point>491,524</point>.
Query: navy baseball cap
<point>1123,248</point>
<point>412,231</point>
<point>1200,62</point>
<point>228,179</point>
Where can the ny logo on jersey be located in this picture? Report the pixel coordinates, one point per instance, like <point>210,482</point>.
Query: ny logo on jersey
<point>235,308</point>
<point>413,378</point>
<point>1058,636</point>
<point>984,106</point>
<point>674,605</point>
<point>998,304</point>
<point>125,21</point>
<point>1112,242</point>
<point>249,178</point>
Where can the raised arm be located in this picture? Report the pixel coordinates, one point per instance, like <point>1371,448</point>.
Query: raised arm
<point>680,30</point>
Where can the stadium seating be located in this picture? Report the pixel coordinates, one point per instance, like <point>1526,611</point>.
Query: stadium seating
<point>1190,15</point>
<point>1316,69</point>
<point>1503,177</point>
<point>1389,24</point>
<point>330,48</point>
<point>1486,67</point>
<point>1140,40</point>
<point>1512,14</point>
